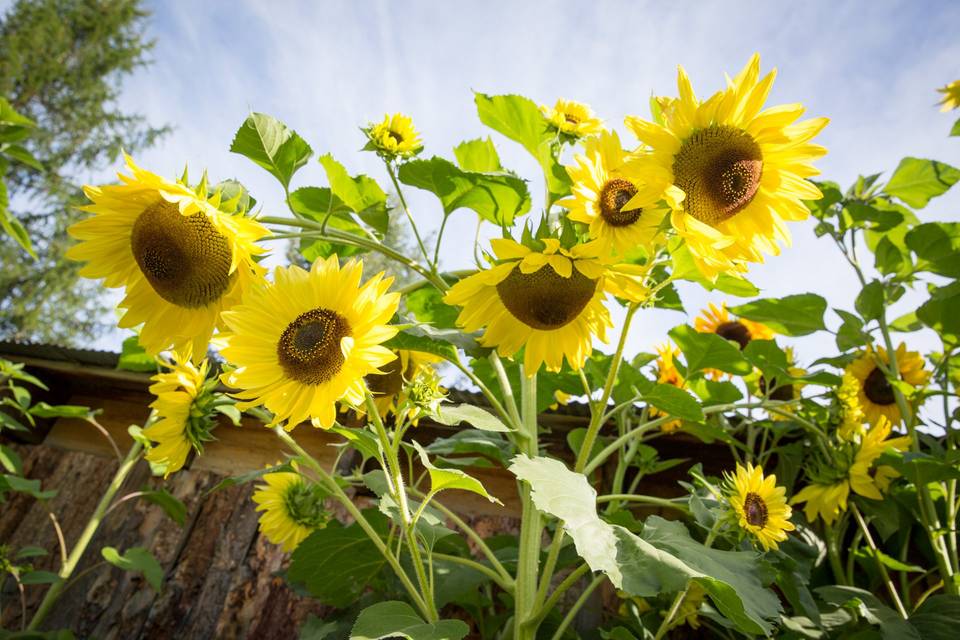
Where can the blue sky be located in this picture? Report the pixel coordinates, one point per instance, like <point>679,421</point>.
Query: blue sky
<point>326,68</point>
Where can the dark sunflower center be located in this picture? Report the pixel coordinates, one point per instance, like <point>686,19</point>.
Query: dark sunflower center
<point>734,331</point>
<point>390,383</point>
<point>309,348</point>
<point>570,118</point>
<point>396,136</point>
<point>878,389</point>
<point>614,196</point>
<point>755,509</point>
<point>184,258</point>
<point>719,169</point>
<point>544,299</point>
<point>304,505</point>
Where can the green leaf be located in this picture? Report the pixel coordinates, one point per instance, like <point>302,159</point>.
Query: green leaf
<point>30,552</point>
<point>452,415</point>
<point>361,194</point>
<point>25,485</point>
<point>907,323</point>
<point>850,334</point>
<point>955,130</point>
<point>23,156</point>
<point>708,351</point>
<point>136,559</point>
<point>915,181</point>
<point>11,225</point>
<point>44,410</point>
<point>231,412</point>
<point>427,305</point>
<point>674,401</point>
<point>11,460</point>
<point>922,468</point>
<point>443,479</point>
<point>39,577</point>
<point>942,312</point>
<point>869,302</point>
<point>250,476</point>
<point>170,504</point>
<point>441,342</point>
<point>796,315</point>
<point>520,119</point>
<point>892,626</point>
<point>936,618</point>
<point>337,563</point>
<point>498,197</point>
<point>937,245</point>
<point>473,442</point>
<point>888,258</point>
<point>272,145</point>
<point>134,358</point>
<point>394,619</point>
<point>478,155</point>
<point>319,204</point>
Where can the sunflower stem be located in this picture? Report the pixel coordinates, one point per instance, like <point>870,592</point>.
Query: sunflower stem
<point>675,606</point>
<point>576,606</point>
<point>883,570</point>
<point>525,623</point>
<point>413,225</point>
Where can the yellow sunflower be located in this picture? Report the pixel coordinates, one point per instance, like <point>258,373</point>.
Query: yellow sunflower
<point>181,259</point>
<point>183,406</point>
<point>621,202</point>
<point>851,413</point>
<point>306,341</point>
<point>574,118</point>
<point>876,393</point>
<point>829,499</point>
<point>743,171</point>
<point>739,330</point>
<point>761,506</point>
<point>951,96</point>
<point>395,136</point>
<point>291,508</point>
<point>549,302</point>
<point>390,388</point>
<point>667,373</point>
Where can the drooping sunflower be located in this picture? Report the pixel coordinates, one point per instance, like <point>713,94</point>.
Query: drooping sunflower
<point>876,394</point>
<point>739,330</point>
<point>184,408</point>
<point>395,136</point>
<point>548,302</point>
<point>621,201</point>
<point>181,259</point>
<point>573,118</point>
<point>291,508</point>
<point>760,505</point>
<point>951,96</point>
<point>827,497</point>
<point>390,388</point>
<point>743,170</point>
<point>667,373</point>
<point>306,341</point>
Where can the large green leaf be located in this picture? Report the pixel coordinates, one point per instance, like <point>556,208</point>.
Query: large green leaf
<point>867,605</point>
<point>426,303</point>
<point>674,401</point>
<point>937,245</point>
<point>482,419</point>
<point>337,563</point>
<point>440,342</point>
<point>272,145</point>
<point>708,351</point>
<point>133,357</point>
<point>495,196</point>
<point>663,560</point>
<point>319,204</point>
<point>520,119</point>
<point>473,442</point>
<point>478,155</point>
<point>444,479</point>
<point>136,559</point>
<point>869,302</point>
<point>937,617</point>
<point>915,181</point>
<point>360,194</point>
<point>394,619</point>
<point>942,312</point>
<point>796,315</point>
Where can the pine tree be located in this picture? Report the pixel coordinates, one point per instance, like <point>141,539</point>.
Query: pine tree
<point>62,64</point>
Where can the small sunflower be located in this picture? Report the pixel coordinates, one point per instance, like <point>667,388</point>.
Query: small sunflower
<point>851,413</point>
<point>876,394</point>
<point>739,330</point>
<point>573,118</point>
<point>184,409</point>
<point>548,302</point>
<point>306,341</point>
<point>761,506</point>
<point>743,171</point>
<point>181,259</point>
<point>291,508</point>
<point>395,136</point>
<point>391,388</point>
<point>621,201</point>
<point>667,373</point>
<point>826,501</point>
<point>951,96</point>
<point>872,445</point>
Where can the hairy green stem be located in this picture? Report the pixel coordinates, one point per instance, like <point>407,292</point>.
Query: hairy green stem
<point>406,210</point>
<point>575,608</point>
<point>894,595</point>
<point>528,563</point>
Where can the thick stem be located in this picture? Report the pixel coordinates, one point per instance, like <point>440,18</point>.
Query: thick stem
<point>525,624</point>
<point>76,553</point>
<point>883,570</point>
<point>833,554</point>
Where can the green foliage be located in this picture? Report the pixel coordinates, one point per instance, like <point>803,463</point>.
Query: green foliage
<point>796,315</point>
<point>272,145</point>
<point>708,351</point>
<point>399,620</point>
<point>445,479</point>
<point>917,181</point>
<point>136,559</point>
<point>475,416</point>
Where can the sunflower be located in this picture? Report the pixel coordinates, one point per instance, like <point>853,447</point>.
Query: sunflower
<point>307,340</point>
<point>292,508</point>
<point>876,394</point>
<point>828,498</point>
<point>951,96</point>
<point>573,118</point>
<point>181,259</point>
<point>184,407</point>
<point>620,201</point>
<point>739,330</point>
<point>743,171</point>
<point>391,388</point>
<point>395,136</point>
<point>761,506</point>
<point>851,413</point>
<point>667,373</point>
<point>548,302</point>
